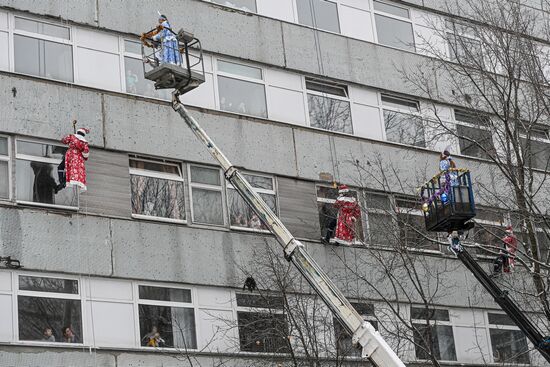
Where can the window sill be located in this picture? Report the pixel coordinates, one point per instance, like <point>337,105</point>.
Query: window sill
<point>47,206</point>
<point>158,219</point>
<point>251,230</point>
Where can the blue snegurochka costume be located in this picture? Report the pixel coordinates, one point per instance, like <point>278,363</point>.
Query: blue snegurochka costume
<point>169,53</point>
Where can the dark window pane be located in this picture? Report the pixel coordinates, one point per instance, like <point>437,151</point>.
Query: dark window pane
<point>327,192</point>
<point>394,33</point>
<point>405,129</point>
<point>164,294</point>
<point>43,284</point>
<point>412,231</point>
<point>263,332</point>
<point>157,197</point>
<point>242,97</point>
<point>422,314</point>
<point>42,28</point>
<point>207,206</point>
<point>400,103</point>
<point>41,150</point>
<point>509,346</point>
<point>475,142</point>
<point>36,182</point>
<point>136,82</point>
<point>156,167</point>
<point>378,201</point>
<point>43,58</point>
<point>246,5</point>
<point>4,180</point>
<point>242,215</point>
<point>319,14</point>
<point>536,154</point>
<point>239,69</point>
<point>36,314</point>
<point>382,230</point>
<point>259,182</point>
<point>340,91</point>
<point>208,176</point>
<point>164,326</point>
<point>442,342</point>
<point>343,339</point>
<point>328,215</point>
<point>500,319</point>
<point>391,9</point>
<point>252,300</point>
<point>3,146</point>
<point>329,114</point>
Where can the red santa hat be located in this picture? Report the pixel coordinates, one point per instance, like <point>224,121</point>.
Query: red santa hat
<point>509,230</point>
<point>342,189</point>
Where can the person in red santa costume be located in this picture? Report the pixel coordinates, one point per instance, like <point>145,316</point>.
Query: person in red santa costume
<point>348,213</point>
<point>76,155</point>
<point>511,244</point>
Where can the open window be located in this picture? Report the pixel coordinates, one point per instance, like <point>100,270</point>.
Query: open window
<point>46,307</point>
<point>403,121</point>
<point>36,176</point>
<point>157,190</point>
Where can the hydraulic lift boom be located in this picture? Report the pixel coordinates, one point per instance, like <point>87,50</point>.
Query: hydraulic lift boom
<point>373,346</point>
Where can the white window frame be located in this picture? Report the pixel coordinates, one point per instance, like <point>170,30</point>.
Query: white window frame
<point>338,12</point>
<point>32,158</point>
<point>208,187</point>
<point>7,158</point>
<point>489,326</point>
<point>374,12</point>
<point>216,72</point>
<point>150,302</point>
<point>416,213</point>
<point>239,9</point>
<point>273,192</point>
<point>436,323</point>
<point>70,42</point>
<point>369,210</point>
<point>405,111</point>
<point>460,34</point>
<point>523,135</point>
<point>163,176</point>
<point>347,99</point>
<point>79,297</point>
<point>457,122</point>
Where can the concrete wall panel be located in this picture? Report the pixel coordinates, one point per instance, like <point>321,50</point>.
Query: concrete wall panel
<point>81,11</point>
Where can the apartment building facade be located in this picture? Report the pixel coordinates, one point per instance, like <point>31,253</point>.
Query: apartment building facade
<point>298,93</point>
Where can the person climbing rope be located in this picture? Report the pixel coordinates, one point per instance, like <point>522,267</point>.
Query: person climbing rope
<point>348,213</point>
<point>166,37</point>
<point>506,259</point>
<point>76,155</point>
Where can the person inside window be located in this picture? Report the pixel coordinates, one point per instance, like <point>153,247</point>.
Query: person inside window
<point>68,335</point>
<point>48,335</point>
<point>255,222</point>
<point>153,338</point>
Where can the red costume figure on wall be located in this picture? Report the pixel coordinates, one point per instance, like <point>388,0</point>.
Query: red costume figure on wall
<point>76,155</point>
<point>348,213</point>
<point>511,243</point>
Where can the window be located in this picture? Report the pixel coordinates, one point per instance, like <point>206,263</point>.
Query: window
<point>393,26</point>
<point>329,107</point>
<point>402,121</point>
<point>381,224</point>
<point>240,213</point>
<point>262,324</point>
<point>536,147</point>
<point>166,318</point>
<point>36,176</point>
<point>47,307</point>
<point>328,214</point>
<point>245,5</point>
<point>318,14</point>
<point>206,195</point>
<point>440,330</point>
<point>4,168</point>
<point>412,228</point>
<point>343,338</point>
<point>157,190</point>
<point>133,73</point>
<point>489,230</point>
<point>241,89</point>
<point>509,344</point>
<point>43,49</point>
<point>474,136</point>
<point>464,48</point>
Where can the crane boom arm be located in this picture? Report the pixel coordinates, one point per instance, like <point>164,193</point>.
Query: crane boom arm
<point>363,333</point>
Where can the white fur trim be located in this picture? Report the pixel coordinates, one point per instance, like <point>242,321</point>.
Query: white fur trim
<point>342,242</point>
<point>85,154</point>
<point>80,137</point>
<point>346,199</point>
<point>77,183</point>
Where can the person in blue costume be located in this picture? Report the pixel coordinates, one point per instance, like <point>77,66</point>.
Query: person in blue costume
<point>170,53</point>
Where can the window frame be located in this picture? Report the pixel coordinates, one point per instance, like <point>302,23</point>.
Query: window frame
<point>239,9</point>
<point>12,31</point>
<point>162,176</point>
<point>337,3</point>
<point>523,136</point>
<point>416,212</point>
<point>149,302</point>
<point>229,186</point>
<point>431,323</point>
<point>490,223</point>
<point>66,296</point>
<point>208,187</point>
<point>377,211</point>
<point>217,73</point>
<point>409,20</point>
<point>347,99</point>
<point>417,114</point>
<point>8,158</point>
<point>490,326</point>
<point>32,158</point>
<point>472,126</point>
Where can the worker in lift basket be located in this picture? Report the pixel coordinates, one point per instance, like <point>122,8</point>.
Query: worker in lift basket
<point>169,52</point>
